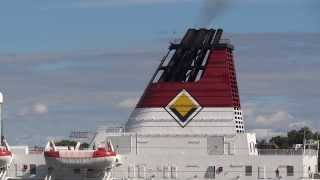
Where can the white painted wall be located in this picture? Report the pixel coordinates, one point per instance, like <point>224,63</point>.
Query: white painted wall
<point>217,121</point>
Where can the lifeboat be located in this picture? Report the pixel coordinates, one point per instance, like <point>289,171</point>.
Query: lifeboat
<point>100,158</point>
<point>5,152</point>
<point>5,155</point>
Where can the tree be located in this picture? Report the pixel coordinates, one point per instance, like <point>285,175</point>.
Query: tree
<point>84,145</point>
<point>297,136</point>
<point>72,144</point>
<point>280,141</point>
<point>66,143</point>
<point>293,137</point>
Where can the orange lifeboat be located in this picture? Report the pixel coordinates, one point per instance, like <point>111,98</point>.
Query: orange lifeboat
<point>101,158</point>
<point>5,155</point>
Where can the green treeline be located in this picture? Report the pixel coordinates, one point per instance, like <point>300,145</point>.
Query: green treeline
<point>288,141</point>
<point>71,143</point>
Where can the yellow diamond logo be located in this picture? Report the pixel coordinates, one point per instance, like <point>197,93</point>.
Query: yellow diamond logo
<point>183,108</point>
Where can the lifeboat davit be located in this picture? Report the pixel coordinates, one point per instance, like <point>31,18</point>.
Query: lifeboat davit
<point>100,158</point>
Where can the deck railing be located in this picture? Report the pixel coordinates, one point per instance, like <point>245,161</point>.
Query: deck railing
<point>293,152</point>
<point>36,150</point>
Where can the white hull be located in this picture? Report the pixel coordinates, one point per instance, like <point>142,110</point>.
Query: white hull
<point>89,163</point>
<point>187,157</point>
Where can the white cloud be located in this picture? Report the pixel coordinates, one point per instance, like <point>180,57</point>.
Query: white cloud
<point>262,114</point>
<point>298,125</point>
<point>274,118</point>
<point>40,108</point>
<point>249,109</point>
<point>128,103</point>
<point>34,109</point>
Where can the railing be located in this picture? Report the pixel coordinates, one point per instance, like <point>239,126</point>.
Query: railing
<point>293,152</point>
<point>115,130</point>
<point>36,150</point>
<point>111,129</point>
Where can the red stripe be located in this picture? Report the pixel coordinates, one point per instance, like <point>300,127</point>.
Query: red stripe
<point>217,88</point>
<point>101,152</point>
<point>96,154</point>
<point>54,154</point>
<point>5,153</point>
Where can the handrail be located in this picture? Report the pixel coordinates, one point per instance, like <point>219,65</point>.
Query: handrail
<point>293,152</point>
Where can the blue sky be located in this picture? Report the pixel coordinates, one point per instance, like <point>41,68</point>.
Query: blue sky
<point>42,25</point>
<point>77,64</point>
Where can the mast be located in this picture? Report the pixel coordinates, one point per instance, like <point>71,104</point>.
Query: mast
<point>1,120</point>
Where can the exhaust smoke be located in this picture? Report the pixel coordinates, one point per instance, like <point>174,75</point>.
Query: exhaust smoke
<point>210,10</point>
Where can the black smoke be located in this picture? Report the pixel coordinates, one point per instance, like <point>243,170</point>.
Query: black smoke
<point>210,10</point>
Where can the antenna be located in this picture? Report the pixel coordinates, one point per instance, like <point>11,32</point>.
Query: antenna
<point>1,120</point>
<point>304,141</point>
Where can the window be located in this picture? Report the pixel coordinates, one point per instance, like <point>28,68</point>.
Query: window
<point>220,170</point>
<point>131,171</point>
<point>141,171</point>
<point>166,172</point>
<point>290,171</point>
<point>174,173</point>
<point>25,167</point>
<point>76,171</point>
<point>210,173</point>
<point>248,170</point>
<point>33,169</point>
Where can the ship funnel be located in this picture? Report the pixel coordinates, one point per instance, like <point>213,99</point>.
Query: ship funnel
<point>194,90</point>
